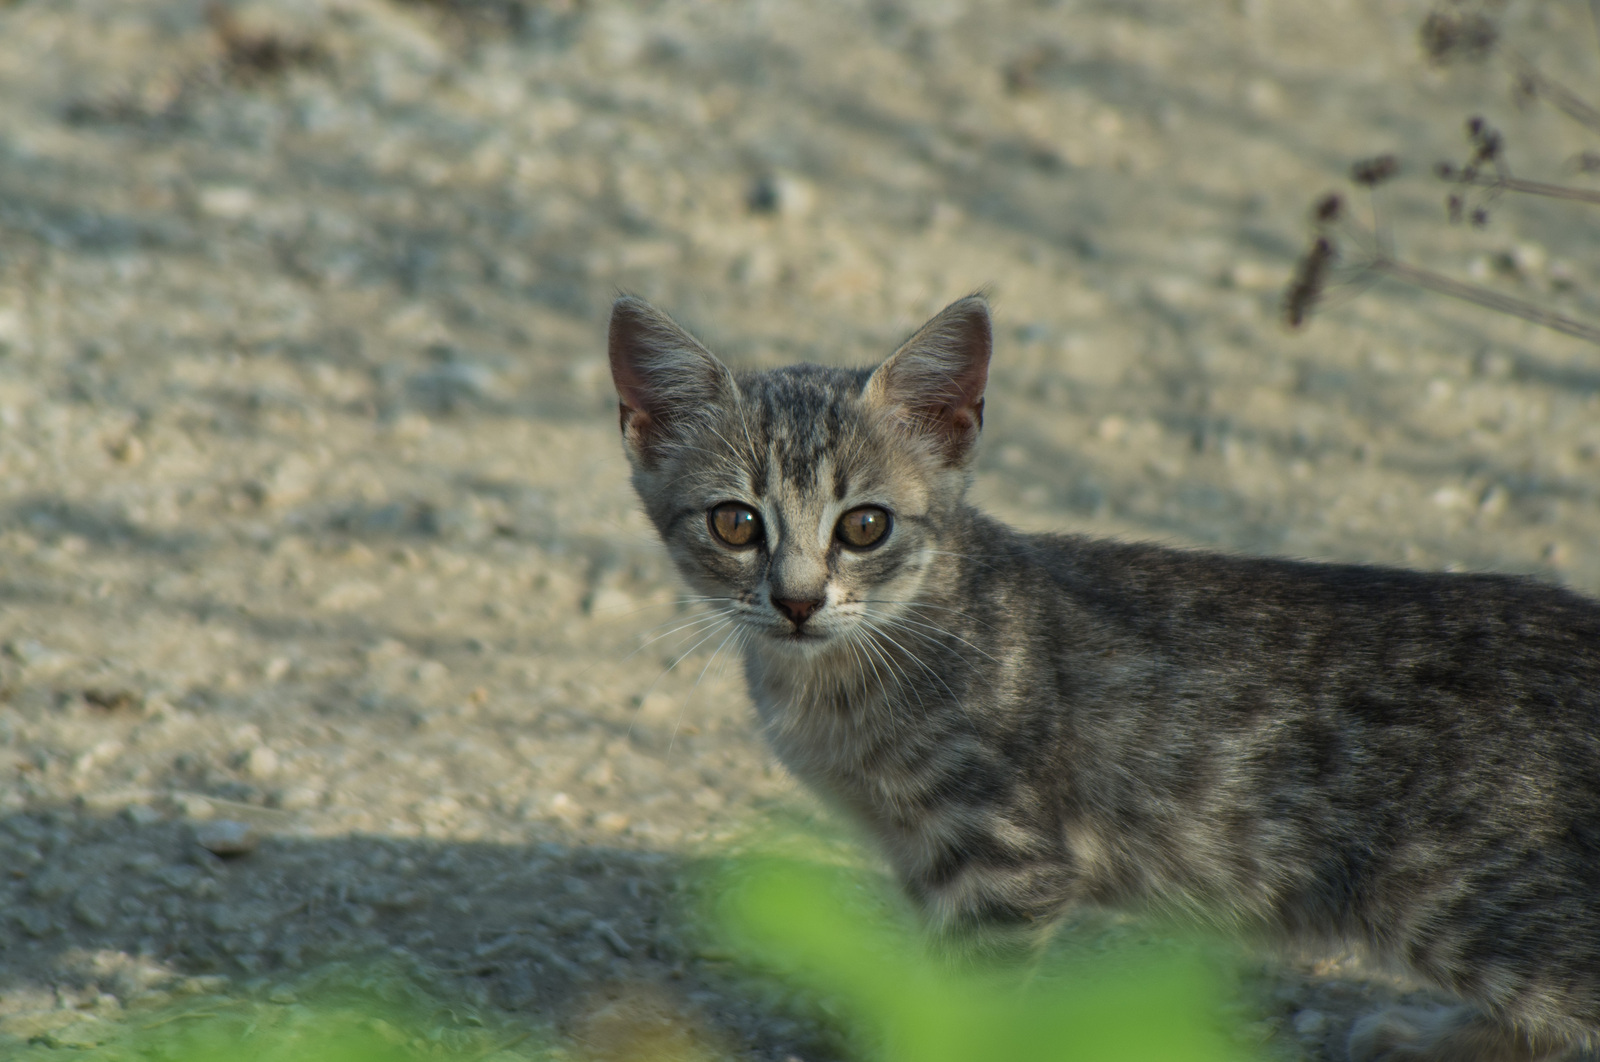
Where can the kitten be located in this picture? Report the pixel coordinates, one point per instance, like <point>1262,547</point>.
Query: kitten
<point>1404,761</point>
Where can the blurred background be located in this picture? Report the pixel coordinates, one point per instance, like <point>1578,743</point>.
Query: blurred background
<point>313,517</point>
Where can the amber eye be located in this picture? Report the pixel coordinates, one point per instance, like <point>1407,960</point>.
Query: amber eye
<point>737,525</point>
<point>863,528</point>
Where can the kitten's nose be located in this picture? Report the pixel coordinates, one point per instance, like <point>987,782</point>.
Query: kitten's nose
<point>797,611</point>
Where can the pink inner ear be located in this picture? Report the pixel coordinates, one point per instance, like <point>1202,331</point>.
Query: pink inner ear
<point>632,417</point>
<point>972,343</point>
<point>636,336</point>
<point>625,344</point>
<point>660,371</point>
<point>938,377</point>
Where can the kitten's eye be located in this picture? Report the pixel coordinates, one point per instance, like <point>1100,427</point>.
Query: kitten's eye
<point>863,528</point>
<point>737,525</point>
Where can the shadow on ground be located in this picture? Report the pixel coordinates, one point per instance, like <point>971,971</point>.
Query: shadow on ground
<point>131,913</point>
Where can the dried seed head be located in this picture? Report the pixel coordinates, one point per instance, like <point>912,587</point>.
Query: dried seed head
<point>1328,208</point>
<point>1487,145</point>
<point>1022,75</point>
<point>1449,36</point>
<point>1310,278</point>
<point>1374,171</point>
<point>1524,90</point>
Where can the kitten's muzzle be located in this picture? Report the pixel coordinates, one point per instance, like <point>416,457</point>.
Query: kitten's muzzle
<point>797,611</point>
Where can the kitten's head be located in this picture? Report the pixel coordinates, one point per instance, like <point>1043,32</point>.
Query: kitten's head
<point>810,500</point>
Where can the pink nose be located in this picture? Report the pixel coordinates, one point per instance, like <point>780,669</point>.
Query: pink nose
<point>797,611</point>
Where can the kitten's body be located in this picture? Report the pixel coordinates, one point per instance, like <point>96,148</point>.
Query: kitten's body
<point>1405,761</point>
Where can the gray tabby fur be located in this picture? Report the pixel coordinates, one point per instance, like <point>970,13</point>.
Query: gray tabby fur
<point>1405,762</point>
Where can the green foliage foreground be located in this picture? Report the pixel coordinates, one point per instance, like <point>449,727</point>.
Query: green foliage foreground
<point>831,932</point>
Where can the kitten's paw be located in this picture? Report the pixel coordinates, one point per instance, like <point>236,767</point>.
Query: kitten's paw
<point>1400,1034</point>
<point>1442,1034</point>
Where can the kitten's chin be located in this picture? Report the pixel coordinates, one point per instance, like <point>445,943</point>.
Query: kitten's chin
<point>801,643</point>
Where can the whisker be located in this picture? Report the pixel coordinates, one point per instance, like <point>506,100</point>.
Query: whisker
<point>702,618</point>
<point>670,667</point>
<point>673,740</point>
<point>696,621</point>
<point>889,661</point>
<point>892,621</point>
<point>926,667</point>
<point>610,617</point>
<point>914,603</point>
<point>861,658</point>
<point>902,621</point>
<point>903,681</point>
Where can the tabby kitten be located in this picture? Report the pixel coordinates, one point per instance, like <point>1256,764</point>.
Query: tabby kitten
<point>1407,762</point>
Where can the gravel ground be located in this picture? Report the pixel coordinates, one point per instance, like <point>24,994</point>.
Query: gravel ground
<point>316,545</point>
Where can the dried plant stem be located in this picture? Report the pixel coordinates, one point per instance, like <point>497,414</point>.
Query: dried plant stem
<point>1564,99</point>
<point>1493,300</point>
<point>1447,35</point>
<point>1518,184</point>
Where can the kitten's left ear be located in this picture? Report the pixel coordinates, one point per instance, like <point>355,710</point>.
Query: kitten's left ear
<point>934,383</point>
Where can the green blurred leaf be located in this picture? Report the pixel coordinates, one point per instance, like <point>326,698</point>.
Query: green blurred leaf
<point>828,930</point>
<point>351,1030</point>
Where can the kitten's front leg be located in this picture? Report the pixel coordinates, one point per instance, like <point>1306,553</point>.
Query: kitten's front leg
<point>1445,1034</point>
<point>989,908</point>
<point>1018,946</point>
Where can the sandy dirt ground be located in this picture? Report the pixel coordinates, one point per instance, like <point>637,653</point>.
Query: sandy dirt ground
<point>313,518</point>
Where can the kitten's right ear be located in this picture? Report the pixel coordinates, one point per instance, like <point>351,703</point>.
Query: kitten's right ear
<point>663,375</point>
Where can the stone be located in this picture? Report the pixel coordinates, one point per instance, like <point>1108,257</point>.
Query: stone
<point>35,922</point>
<point>227,202</point>
<point>92,906</point>
<point>300,798</point>
<point>141,814</point>
<point>782,194</point>
<point>227,837</point>
<point>260,762</point>
<point>85,1032</point>
<point>42,1026</point>
<point>608,933</point>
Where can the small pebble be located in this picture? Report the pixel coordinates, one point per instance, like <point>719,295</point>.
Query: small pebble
<point>34,922</point>
<point>128,450</point>
<point>225,837</point>
<point>261,762</point>
<point>92,907</point>
<point>141,814</point>
<point>299,798</point>
<point>85,1033</point>
<point>781,194</point>
<point>608,933</point>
